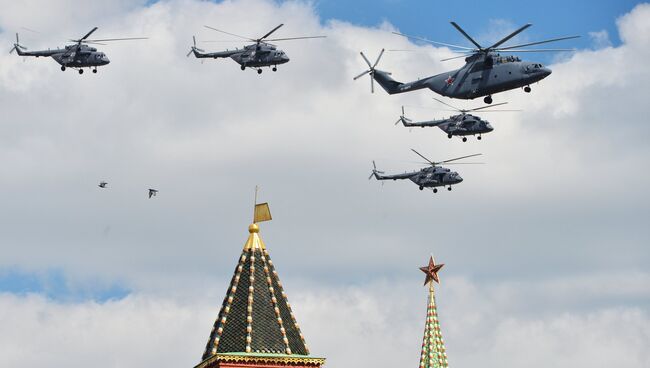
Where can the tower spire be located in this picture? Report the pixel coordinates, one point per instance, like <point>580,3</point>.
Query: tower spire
<point>256,326</point>
<point>433,353</point>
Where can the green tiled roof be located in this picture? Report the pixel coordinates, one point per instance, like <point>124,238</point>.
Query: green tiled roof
<point>255,317</point>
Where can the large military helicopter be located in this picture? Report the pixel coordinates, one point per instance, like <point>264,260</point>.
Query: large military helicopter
<point>462,125</point>
<point>257,55</point>
<point>432,176</point>
<point>78,55</point>
<point>485,72</point>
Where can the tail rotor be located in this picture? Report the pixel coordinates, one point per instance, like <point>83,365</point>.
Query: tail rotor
<point>193,48</point>
<point>371,70</point>
<point>374,171</point>
<point>402,117</point>
<point>17,46</point>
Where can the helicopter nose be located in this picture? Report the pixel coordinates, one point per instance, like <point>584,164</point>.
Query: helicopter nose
<point>545,72</point>
<point>489,127</point>
<point>458,178</point>
<point>285,58</point>
<point>105,60</point>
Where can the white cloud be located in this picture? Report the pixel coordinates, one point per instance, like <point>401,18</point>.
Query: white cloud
<point>378,324</point>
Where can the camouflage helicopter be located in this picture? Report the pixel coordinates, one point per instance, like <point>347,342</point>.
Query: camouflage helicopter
<point>463,124</point>
<point>78,55</point>
<point>432,176</point>
<point>257,55</point>
<point>485,72</point>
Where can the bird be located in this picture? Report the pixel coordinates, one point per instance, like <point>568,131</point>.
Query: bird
<point>152,192</point>
<point>102,184</point>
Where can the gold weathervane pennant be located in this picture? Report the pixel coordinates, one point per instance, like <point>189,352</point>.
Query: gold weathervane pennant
<point>262,213</point>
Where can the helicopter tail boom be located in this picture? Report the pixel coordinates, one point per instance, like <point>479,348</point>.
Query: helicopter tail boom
<point>392,86</point>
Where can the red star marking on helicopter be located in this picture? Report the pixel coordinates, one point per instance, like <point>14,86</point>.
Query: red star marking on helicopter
<point>449,80</point>
<point>431,270</point>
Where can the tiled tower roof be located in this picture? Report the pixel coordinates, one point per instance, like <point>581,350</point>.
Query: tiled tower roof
<point>255,320</point>
<point>433,347</point>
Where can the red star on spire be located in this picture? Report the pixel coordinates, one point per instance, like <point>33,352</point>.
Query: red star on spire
<point>431,270</point>
<point>449,80</point>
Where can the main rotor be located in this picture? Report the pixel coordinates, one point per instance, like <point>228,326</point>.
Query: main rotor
<point>496,47</point>
<point>264,39</point>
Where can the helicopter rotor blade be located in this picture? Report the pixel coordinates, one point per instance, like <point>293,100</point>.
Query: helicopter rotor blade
<point>506,38</point>
<point>459,158</point>
<point>294,38</point>
<point>426,159</point>
<point>231,34</point>
<point>115,39</point>
<point>539,50</point>
<point>446,104</point>
<point>466,35</point>
<point>378,58</point>
<point>88,34</point>
<point>486,107</point>
<point>429,41</point>
<point>372,84</point>
<point>538,42</point>
<point>361,75</point>
<point>457,57</point>
<point>271,31</point>
<point>366,59</point>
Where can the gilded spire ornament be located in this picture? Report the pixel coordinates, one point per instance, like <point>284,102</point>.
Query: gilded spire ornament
<point>433,353</point>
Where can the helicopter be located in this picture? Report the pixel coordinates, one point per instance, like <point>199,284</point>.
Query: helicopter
<point>102,184</point>
<point>257,55</point>
<point>462,125</point>
<point>152,192</point>
<point>78,55</point>
<point>485,72</point>
<point>432,176</point>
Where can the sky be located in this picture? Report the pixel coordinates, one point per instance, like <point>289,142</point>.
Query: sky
<point>545,246</point>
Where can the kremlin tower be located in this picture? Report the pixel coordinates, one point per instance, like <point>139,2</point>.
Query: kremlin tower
<point>256,327</point>
<point>433,347</point>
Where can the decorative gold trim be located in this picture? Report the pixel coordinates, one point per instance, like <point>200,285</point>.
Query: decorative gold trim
<point>270,359</point>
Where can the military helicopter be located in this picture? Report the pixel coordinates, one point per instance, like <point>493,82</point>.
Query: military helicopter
<point>102,184</point>
<point>463,124</point>
<point>152,192</point>
<point>485,72</point>
<point>78,55</point>
<point>257,55</point>
<point>432,176</point>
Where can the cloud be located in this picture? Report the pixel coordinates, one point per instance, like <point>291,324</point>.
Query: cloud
<point>379,325</point>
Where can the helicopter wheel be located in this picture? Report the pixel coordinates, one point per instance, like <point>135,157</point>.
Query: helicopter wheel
<point>63,68</point>
<point>95,70</point>
<point>259,71</point>
<point>449,136</point>
<point>421,187</point>
<point>464,139</point>
<point>435,190</point>
<point>479,137</point>
<point>275,69</point>
<point>487,99</point>
<point>81,71</point>
<point>449,189</point>
<point>527,89</point>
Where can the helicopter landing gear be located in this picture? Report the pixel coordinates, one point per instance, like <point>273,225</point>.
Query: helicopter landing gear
<point>275,69</point>
<point>487,99</point>
<point>435,190</point>
<point>448,135</point>
<point>449,189</point>
<point>243,67</point>
<point>259,71</point>
<point>421,187</point>
<point>527,89</point>
<point>95,70</point>
<point>479,137</point>
<point>63,68</point>
<point>81,71</point>
<point>464,139</point>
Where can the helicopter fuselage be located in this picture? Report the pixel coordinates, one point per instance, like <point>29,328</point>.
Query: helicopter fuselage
<point>465,124</point>
<point>72,56</point>
<point>480,76</point>
<point>253,56</point>
<point>428,177</point>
